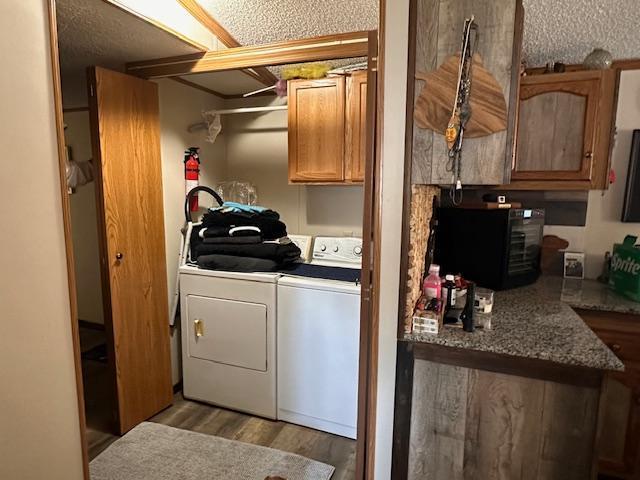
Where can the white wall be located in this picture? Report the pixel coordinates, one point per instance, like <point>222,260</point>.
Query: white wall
<point>180,106</point>
<point>257,152</point>
<point>392,183</point>
<point>603,226</point>
<point>39,427</point>
<point>84,224</point>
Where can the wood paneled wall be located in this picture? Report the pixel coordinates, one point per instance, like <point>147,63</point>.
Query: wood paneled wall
<point>468,424</point>
<point>486,160</point>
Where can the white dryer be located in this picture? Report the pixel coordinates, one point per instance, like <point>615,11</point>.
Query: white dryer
<point>228,325</point>
<point>318,338</point>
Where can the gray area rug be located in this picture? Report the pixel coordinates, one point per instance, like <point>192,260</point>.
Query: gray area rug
<point>152,451</point>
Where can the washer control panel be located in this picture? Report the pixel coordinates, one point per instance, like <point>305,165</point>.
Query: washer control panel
<point>346,250</point>
<point>303,242</point>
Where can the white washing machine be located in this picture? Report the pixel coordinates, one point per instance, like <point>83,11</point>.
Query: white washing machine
<point>228,325</point>
<point>318,338</point>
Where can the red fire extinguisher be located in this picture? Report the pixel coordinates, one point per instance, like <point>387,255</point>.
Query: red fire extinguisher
<point>191,173</point>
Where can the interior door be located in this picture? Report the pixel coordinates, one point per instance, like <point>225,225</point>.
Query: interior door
<point>368,361</point>
<point>125,129</point>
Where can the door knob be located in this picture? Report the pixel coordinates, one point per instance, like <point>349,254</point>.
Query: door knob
<point>119,256</point>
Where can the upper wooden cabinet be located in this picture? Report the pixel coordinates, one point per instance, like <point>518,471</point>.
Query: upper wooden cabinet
<point>356,123</point>
<point>327,120</point>
<point>564,130</point>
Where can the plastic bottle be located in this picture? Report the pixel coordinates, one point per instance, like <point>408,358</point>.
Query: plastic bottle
<point>432,285</point>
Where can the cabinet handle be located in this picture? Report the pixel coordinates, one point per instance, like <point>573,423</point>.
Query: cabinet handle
<point>615,347</point>
<point>588,155</point>
<point>198,327</point>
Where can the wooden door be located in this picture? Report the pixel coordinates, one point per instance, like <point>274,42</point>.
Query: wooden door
<point>125,131</point>
<point>316,130</point>
<point>557,127</point>
<point>370,284</point>
<point>356,137</point>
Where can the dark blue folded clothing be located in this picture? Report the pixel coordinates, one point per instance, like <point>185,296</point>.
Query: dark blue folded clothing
<point>267,221</point>
<point>232,263</point>
<point>280,253</point>
<point>322,271</point>
<point>215,232</point>
<point>233,240</point>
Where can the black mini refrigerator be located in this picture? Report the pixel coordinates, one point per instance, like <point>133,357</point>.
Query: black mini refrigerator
<point>495,248</point>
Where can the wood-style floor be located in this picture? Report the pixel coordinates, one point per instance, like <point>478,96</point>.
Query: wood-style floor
<point>198,417</point>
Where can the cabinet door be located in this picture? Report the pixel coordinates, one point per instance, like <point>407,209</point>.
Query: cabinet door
<point>619,435</point>
<point>557,127</point>
<point>316,130</point>
<point>356,150</point>
<point>619,443</point>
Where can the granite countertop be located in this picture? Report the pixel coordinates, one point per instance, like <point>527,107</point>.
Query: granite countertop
<point>590,295</point>
<point>532,322</point>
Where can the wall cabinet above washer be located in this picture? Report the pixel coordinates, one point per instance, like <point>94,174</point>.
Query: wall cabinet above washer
<point>327,120</point>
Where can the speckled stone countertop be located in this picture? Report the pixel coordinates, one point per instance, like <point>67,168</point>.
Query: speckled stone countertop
<point>590,295</point>
<point>532,322</point>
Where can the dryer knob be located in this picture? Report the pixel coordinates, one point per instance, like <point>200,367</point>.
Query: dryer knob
<point>323,248</point>
<point>357,251</point>
<point>335,249</point>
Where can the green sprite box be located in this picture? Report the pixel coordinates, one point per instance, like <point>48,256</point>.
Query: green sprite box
<point>625,268</point>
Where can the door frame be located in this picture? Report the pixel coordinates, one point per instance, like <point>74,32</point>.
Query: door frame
<point>368,372</point>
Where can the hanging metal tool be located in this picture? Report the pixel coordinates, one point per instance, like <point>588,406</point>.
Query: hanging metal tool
<point>461,113</point>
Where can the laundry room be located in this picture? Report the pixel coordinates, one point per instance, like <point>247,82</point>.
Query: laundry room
<point>260,267</point>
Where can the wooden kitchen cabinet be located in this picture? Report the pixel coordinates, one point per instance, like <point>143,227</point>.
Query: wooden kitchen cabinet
<point>327,129</point>
<point>356,131</point>
<point>564,131</point>
<point>619,436</point>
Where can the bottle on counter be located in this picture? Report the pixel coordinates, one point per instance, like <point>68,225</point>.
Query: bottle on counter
<point>432,286</point>
<point>449,293</point>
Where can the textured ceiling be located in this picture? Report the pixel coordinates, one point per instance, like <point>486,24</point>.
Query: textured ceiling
<point>554,30</point>
<point>91,32</point>
<point>567,31</point>
<point>255,22</point>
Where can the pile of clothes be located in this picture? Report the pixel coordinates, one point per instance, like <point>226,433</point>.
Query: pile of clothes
<point>242,238</point>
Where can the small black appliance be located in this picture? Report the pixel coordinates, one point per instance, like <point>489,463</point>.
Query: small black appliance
<point>495,248</point>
